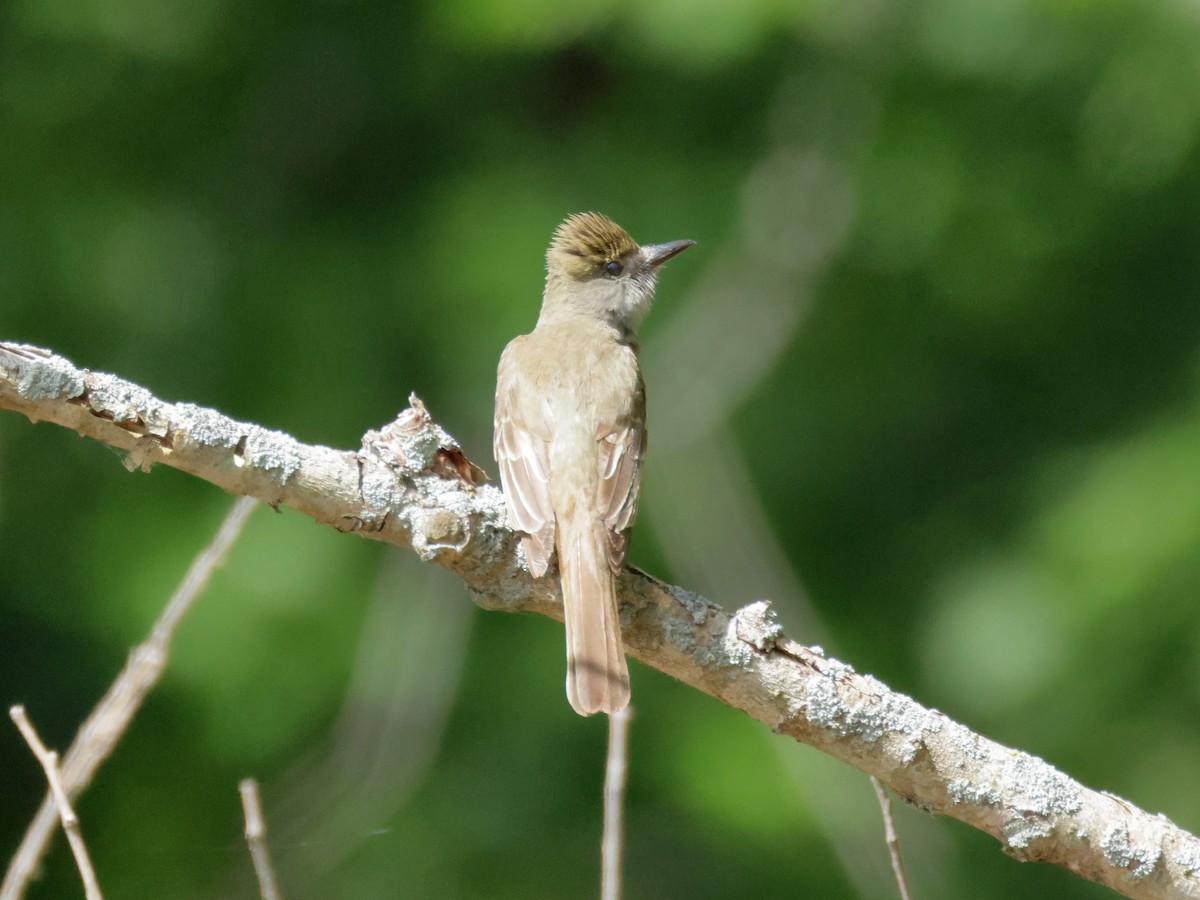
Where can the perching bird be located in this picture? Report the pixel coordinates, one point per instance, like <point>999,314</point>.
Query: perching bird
<point>570,434</point>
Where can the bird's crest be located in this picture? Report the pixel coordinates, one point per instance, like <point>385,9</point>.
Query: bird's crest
<point>586,241</point>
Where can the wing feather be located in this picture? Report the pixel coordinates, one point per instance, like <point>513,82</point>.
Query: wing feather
<point>523,456</point>
<point>620,480</point>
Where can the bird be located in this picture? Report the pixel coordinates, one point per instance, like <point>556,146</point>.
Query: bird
<point>570,433</point>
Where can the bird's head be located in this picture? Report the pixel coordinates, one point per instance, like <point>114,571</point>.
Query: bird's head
<point>593,266</point>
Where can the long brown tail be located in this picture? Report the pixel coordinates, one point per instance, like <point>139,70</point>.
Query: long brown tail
<point>597,676</point>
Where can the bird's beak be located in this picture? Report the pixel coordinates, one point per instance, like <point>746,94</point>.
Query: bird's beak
<point>657,254</point>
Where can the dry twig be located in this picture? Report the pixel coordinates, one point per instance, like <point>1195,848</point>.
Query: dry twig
<point>614,801</point>
<point>890,838</point>
<point>70,821</point>
<point>256,834</point>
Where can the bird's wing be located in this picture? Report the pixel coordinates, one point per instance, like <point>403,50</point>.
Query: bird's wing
<point>621,451</point>
<point>523,454</point>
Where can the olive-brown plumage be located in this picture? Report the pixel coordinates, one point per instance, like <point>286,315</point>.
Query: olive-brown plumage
<point>570,434</point>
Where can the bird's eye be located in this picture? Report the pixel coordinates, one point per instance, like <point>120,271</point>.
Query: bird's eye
<point>613,267</point>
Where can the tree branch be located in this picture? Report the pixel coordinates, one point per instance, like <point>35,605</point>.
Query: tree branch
<point>411,485</point>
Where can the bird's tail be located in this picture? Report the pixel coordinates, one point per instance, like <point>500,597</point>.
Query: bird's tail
<point>597,676</point>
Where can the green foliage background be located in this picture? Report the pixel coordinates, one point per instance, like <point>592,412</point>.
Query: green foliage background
<point>966,425</point>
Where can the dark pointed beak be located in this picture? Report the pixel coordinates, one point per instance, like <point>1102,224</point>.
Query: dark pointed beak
<point>657,254</point>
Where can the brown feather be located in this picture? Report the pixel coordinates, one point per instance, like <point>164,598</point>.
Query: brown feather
<point>597,675</point>
<point>524,460</point>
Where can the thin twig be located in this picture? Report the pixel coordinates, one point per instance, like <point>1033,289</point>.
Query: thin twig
<point>100,732</point>
<point>889,836</point>
<point>256,833</point>
<point>614,798</point>
<point>70,821</point>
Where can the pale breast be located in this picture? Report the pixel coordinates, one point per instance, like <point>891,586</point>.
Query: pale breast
<point>583,376</point>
